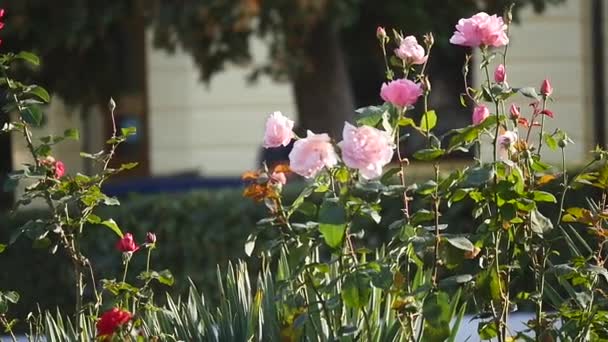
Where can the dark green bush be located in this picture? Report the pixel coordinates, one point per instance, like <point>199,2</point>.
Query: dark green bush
<point>197,232</point>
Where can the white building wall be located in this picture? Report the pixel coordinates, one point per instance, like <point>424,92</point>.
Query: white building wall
<point>215,130</point>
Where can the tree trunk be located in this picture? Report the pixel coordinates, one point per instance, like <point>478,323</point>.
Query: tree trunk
<point>323,93</point>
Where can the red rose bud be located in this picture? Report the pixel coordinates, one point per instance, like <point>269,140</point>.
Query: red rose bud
<point>546,89</point>
<point>381,33</point>
<point>127,244</point>
<point>514,110</point>
<point>151,238</point>
<point>59,169</point>
<point>500,74</point>
<point>111,320</point>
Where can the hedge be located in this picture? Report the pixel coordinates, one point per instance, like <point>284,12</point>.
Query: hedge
<point>197,232</point>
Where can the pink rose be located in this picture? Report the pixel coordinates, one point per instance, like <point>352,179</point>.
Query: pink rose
<point>480,113</point>
<point>127,244</point>
<point>401,93</point>
<point>500,74</point>
<point>545,88</point>
<point>279,131</point>
<point>505,144</point>
<point>311,154</point>
<point>59,169</point>
<point>366,148</point>
<point>481,29</point>
<point>410,51</point>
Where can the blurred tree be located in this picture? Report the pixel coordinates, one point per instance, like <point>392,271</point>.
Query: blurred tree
<point>311,42</point>
<point>306,40</point>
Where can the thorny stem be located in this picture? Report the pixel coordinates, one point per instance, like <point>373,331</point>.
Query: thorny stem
<point>542,126</point>
<point>499,320</point>
<point>74,254</point>
<point>403,162</point>
<point>124,275</point>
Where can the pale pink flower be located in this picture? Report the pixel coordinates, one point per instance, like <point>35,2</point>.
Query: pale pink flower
<point>480,113</point>
<point>367,149</point>
<point>410,51</point>
<point>311,154</point>
<point>401,93</point>
<point>506,141</point>
<point>279,131</point>
<point>481,29</point>
<point>500,74</point>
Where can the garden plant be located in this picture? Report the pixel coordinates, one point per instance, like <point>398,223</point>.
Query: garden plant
<point>321,278</point>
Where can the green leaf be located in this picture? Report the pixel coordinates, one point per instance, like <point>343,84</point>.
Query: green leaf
<point>529,92</point>
<point>370,116</point>
<point>460,242</point>
<point>332,222</point>
<point>540,224</point>
<point>383,279</point>
<point>428,121</point>
<point>487,330</point>
<point>128,131</point>
<point>405,121</point>
<point>250,244</point>
<point>429,154</point>
<point>113,226</point>
<point>71,133</point>
<point>11,296</point>
<point>2,247</point>
<point>543,196</point>
<point>29,57</point>
<point>551,142</point>
<point>32,115</point>
<point>40,92</point>
<point>436,311</point>
<point>356,290</point>
<point>478,176</point>
<point>166,278</point>
<point>455,280</point>
<point>128,166</point>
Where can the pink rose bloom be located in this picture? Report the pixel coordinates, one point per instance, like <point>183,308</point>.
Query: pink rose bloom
<point>367,149</point>
<point>480,113</point>
<point>127,244</point>
<point>311,154</point>
<point>500,74</point>
<point>481,29</point>
<point>279,131</point>
<point>505,144</point>
<point>401,93</point>
<point>59,169</point>
<point>410,51</point>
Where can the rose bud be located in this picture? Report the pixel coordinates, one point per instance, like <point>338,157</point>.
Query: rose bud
<point>546,89</point>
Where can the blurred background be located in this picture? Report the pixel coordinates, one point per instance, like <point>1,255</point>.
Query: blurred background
<point>198,78</point>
